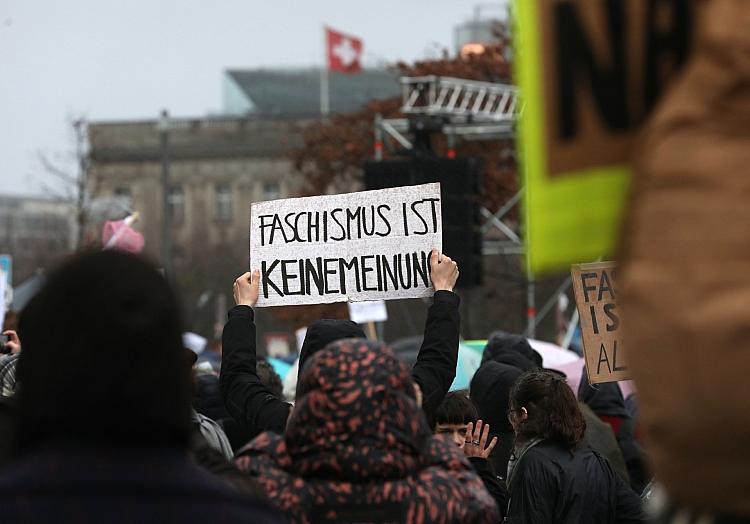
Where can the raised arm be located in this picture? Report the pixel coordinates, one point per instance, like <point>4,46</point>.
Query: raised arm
<point>249,402</point>
<point>435,367</point>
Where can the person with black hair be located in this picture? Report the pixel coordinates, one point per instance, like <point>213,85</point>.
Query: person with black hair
<point>551,477</point>
<point>453,415</point>
<point>103,419</point>
<point>457,419</point>
<point>255,407</point>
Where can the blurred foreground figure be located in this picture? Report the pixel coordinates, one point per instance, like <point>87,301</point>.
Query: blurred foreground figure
<point>357,448</point>
<point>552,477</point>
<point>685,273</point>
<point>104,406</point>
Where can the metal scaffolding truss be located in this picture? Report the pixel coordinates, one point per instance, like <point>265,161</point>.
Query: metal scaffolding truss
<point>458,98</point>
<point>467,110</point>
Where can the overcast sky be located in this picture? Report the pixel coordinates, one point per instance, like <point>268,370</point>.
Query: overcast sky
<point>107,59</point>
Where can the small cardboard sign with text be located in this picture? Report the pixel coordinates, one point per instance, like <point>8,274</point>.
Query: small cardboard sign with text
<point>596,297</point>
<point>370,245</point>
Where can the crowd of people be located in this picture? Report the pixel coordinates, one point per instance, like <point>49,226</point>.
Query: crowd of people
<point>105,417</point>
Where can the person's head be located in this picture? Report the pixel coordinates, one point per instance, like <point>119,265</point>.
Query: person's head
<point>102,358</point>
<point>323,332</point>
<point>490,392</point>
<point>453,414</point>
<point>542,405</point>
<point>605,399</point>
<point>501,343</point>
<point>269,378</point>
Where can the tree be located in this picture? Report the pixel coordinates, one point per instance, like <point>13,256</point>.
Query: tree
<point>72,175</point>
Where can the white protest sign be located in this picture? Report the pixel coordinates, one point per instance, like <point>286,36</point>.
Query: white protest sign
<point>363,312</point>
<point>370,245</point>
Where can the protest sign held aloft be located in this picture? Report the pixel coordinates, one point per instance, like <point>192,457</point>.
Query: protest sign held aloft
<point>596,297</point>
<point>371,245</point>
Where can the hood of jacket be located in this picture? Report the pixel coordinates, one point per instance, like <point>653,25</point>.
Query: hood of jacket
<point>605,399</point>
<point>501,342</point>
<point>357,436</point>
<point>490,392</point>
<point>322,332</point>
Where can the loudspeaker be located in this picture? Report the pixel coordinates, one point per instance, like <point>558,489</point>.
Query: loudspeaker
<point>460,187</point>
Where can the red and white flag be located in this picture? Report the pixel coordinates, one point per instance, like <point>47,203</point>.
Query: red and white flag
<point>344,52</point>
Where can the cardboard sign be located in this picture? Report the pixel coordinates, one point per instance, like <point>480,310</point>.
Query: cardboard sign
<point>371,245</point>
<point>363,312</point>
<point>596,297</point>
<point>590,72</point>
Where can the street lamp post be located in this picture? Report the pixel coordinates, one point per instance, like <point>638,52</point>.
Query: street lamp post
<point>166,222</point>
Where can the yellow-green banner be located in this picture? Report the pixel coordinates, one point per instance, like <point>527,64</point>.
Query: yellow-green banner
<point>589,72</point>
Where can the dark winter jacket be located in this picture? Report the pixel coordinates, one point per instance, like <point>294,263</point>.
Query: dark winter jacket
<point>358,450</point>
<point>604,399</point>
<point>92,484</point>
<point>552,485</point>
<point>490,392</point>
<point>600,437</point>
<point>607,402</point>
<point>494,484</point>
<point>207,397</point>
<point>253,405</point>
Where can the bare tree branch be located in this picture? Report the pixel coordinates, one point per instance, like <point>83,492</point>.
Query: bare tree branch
<point>54,170</point>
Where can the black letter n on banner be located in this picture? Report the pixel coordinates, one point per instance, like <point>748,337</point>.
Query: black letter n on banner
<point>575,58</point>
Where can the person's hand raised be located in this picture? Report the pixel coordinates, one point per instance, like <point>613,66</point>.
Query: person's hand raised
<point>13,345</point>
<point>246,289</point>
<point>444,271</point>
<point>476,440</point>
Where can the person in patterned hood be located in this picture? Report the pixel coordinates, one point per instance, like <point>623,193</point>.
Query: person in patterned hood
<point>358,449</point>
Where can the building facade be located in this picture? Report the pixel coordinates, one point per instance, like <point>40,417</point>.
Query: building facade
<point>36,232</point>
<point>216,168</point>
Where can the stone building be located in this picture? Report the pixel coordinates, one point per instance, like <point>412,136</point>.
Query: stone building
<point>36,232</point>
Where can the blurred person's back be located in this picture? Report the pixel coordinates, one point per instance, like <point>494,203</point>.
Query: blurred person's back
<point>104,408</point>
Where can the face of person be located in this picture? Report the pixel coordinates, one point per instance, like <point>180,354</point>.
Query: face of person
<point>457,432</point>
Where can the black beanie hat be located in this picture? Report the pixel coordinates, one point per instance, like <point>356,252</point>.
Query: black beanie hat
<point>102,357</point>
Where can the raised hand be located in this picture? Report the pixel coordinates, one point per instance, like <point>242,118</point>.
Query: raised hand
<point>246,289</point>
<point>14,343</point>
<point>476,440</point>
<point>444,271</point>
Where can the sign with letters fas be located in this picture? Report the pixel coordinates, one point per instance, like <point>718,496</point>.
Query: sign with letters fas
<point>596,297</point>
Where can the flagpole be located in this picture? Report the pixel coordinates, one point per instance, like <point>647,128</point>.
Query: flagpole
<point>325,102</point>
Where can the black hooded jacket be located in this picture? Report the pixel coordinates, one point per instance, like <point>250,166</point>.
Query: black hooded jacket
<point>605,399</point>
<point>255,407</point>
<point>490,392</point>
<point>501,343</point>
<point>551,484</point>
